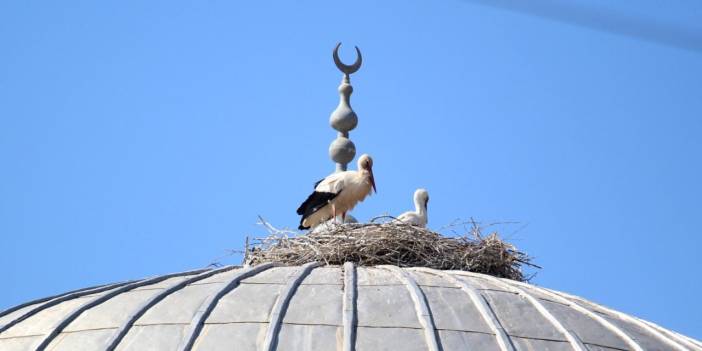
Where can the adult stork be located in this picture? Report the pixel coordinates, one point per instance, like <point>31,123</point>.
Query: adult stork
<point>337,194</point>
<point>419,216</point>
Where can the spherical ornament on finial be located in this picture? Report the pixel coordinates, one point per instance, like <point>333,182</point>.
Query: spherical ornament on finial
<point>343,119</point>
<point>342,150</point>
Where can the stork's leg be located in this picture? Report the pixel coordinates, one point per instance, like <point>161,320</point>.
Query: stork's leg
<point>333,212</point>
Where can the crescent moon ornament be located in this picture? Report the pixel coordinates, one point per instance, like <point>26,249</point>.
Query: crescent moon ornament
<point>347,69</point>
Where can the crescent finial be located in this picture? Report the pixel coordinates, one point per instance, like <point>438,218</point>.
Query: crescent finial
<point>346,68</point>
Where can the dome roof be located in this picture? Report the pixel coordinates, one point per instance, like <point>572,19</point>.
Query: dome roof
<point>312,307</point>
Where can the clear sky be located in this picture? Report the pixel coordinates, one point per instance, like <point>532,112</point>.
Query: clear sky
<point>144,137</point>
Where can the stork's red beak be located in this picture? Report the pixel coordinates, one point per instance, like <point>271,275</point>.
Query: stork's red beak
<point>372,180</point>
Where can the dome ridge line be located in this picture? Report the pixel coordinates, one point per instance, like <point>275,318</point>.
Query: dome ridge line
<point>144,307</point>
<point>605,323</point>
<point>350,317</point>
<point>680,338</point>
<point>628,318</point>
<point>421,307</point>
<point>44,299</point>
<point>64,322</point>
<point>677,335</point>
<point>281,306</point>
<point>196,324</point>
<point>503,340</point>
<point>574,341</point>
<point>61,298</point>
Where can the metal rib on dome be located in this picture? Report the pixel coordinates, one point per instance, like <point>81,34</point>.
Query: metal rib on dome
<point>605,323</point>
<point>574,341</point>
<point>485,311</point>
<point>281,305</point>
<point>53,301</point>
<point>349,305</point>
<point>421,307</point>
<point>115,340</point>
<point>675,336</point>
<point>199,319</point>
<point>310,308</point>
<point>62,323</point>
<point>44,299</point>
<point>679,336</point>
<point>631,319</point>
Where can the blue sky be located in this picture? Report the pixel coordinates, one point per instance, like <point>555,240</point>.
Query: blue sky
<point>141,138</point>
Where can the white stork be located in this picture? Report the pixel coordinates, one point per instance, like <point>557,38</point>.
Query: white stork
<point>418,217</point>
<point>337,194</point>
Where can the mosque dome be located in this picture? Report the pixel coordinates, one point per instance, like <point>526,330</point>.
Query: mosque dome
<point>314,307</point>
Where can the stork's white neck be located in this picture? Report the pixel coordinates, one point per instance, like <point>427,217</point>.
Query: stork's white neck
<point>420,207</point>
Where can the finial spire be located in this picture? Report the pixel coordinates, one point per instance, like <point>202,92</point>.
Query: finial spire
<point>344,119</point>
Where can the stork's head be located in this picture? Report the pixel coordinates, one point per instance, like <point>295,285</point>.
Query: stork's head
<point>421,197</point>
<point>365,163</point>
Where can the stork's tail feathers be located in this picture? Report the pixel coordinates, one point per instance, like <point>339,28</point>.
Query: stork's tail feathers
<point>302,220</point>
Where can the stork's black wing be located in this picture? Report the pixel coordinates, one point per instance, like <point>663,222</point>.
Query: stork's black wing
<point>321,196</point>
<point>314,202</point>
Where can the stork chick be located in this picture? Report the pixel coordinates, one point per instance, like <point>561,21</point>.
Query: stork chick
<point>337,194</point>
<point>419,216</point>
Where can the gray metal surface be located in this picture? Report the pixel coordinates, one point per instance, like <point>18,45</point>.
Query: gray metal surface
<point>327,308</point>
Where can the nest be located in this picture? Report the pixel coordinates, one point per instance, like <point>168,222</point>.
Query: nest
<point>391,243</point>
